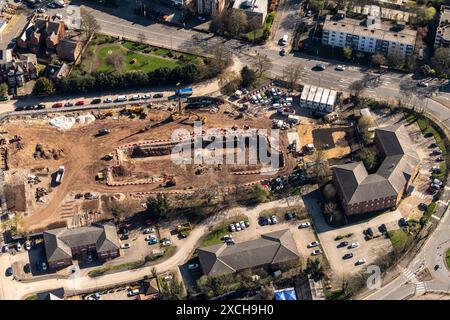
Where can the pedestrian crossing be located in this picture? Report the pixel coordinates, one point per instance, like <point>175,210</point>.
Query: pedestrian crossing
<point>420,287</point>
<point>419,195</point>
<point>408,274</point>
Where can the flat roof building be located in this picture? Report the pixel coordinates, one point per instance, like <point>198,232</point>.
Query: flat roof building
<point>442,38</point>
<point>368,35</point>
<point>318,99</point>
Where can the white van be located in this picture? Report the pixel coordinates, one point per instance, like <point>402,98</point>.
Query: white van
<point>122,98</point>
<point>133,292</point>
<point>284,40</point>
<point>289,99</point>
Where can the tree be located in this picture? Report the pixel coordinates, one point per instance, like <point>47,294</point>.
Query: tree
<point>254,25</point>
<point>369,157</point>
<point>260,194</point>
<point>237,22</point>
<point>173,289</point>
<point>314,268</point>
<point>267,292</point>
<point>396,57</point>
<point>292,74</point>
<point>356,88</point>
<point>329,208</point>
<point>424,16</point>
<point>141,37</point>
<point>115,59</point>
<point>329,192</point>
<point>43,87</point>
<point>347,53</point>
<point>3,90</point>
<point>441,60</point>
<point>366,124</point>
<point>221,58</point>
<point>321,169</point>
<point>89,24</point>
<point>158,208</point>
<point>229,81</point>
<point>248,77</point>
<point>262,63</point>
<point>379,59</point>
<point>316,5</point>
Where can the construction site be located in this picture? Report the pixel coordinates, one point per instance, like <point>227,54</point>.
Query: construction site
<point>64,166</point>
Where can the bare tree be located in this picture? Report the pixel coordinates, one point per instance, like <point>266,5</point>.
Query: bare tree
<point>237,22</point>
<point>292,74</point>
<point>356,87</point>
<point>254,24</point>
<point>141,38</point>
<point>115,59</point>
<point>221,57</point>
<point>262,64</point>
<point>89,24</point>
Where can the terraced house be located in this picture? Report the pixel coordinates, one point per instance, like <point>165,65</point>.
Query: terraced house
<point>360,192</point>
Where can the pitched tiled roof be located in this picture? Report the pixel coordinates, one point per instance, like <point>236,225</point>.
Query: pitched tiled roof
<point>271,248</point>
<point>399,164</point>
<point>58,242</point>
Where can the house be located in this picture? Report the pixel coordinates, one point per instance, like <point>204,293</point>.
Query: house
<point>369,35</point>
<point>360,192</point>
<point>20,70</point>
<point>69,49</point>
<point>42,34</point>
<point>150,289</point>
<point>62,245</point>
<point>56,294</point>
<point>442,38</point>
<point>254,9</point>
<point>211,8</point>
<point>270,250</point>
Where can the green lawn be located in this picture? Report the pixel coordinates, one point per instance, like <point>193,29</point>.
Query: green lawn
<point>447,258</point>
<point>215,236</point>
<point>400,239</point>
<point>143,62</point>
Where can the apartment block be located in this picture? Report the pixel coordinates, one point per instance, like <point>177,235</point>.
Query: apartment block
<point>442,38</point>
<point>368,35</point>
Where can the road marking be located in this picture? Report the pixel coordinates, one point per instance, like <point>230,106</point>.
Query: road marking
<point>419,194</point>
<point>408,274</point>
<point>420,287</point>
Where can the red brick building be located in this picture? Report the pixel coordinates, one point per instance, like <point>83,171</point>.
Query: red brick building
<point>360,192</point>
<point>63,245</point>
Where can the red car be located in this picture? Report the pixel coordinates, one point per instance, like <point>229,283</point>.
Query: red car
<point>57,105</point>
<point>79,103</point>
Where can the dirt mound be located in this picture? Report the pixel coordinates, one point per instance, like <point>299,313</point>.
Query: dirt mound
<point>47,152</point>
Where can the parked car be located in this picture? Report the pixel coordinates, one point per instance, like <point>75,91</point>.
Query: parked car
<point>434,145</point>
<point>146,96</point>
<point>439,159</point>
<point>422,206</point>
<point>238,226</point>
<point>148,230</point>
<point>18,246</point>
<point>150,237</point>
<point>320,67</point>
<point>263,221</point>
<point>340,67</point>
<point>242,223</point>
<point>158,95</point>
<point>5,248</point>
<point>282,52</point>
<point>79,103</point>
<point>342,244</point>
<point>132,292</point>
<point>354,245</point>
<point>305,225</point>
<point>152,241</point>
<point>107,100</point>
<point>40,106</point>
<point>57,105</point>
<point>316,252</point>
<point>402,222</point>
<point>288,216</point>
<point>44,266</point>
<point>9,272</point>
<point>313,244</point>
<point>28,245</point>
<point>125,246</point>
<point>166,243</point>
<point>193,266</point>
<point>136,97</point>
<point>347,256</point>
<point>369,232</point>
<point>96,101</point>
<point>274,219</point>
<point>123,237</point>
<point>360,261</point>
<point>231,227</point>
<point>383,228</point>
<point>68,104</point>
<point>247,223</point>
<point>41,10</point>
<point>436,152</point>
<point>423,84</point>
